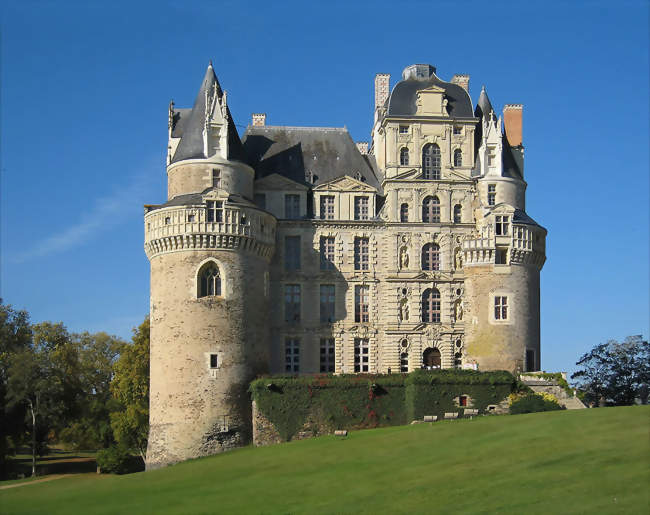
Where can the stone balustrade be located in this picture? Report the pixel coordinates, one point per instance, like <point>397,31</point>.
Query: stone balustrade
<point>187,227</point>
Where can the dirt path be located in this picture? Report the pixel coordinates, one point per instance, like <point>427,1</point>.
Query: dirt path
<point>48,478</point>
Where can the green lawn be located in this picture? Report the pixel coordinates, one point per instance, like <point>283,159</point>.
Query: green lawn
<point>587,461</point>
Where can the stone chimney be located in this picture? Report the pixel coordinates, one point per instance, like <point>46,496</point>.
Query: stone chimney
<point>512,119</point>
<point>363,147</point>
<point>259,119</point>
<point>462,80</point>
<point>382,88</point>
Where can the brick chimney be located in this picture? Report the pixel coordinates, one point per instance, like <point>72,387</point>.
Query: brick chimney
<point>363,147</point>
<point>382,88</point>
<point>462,80</point>
<point>259,119</point>
<point>512,119</point>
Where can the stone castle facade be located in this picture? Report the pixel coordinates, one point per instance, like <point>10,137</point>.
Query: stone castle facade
<point>295,250</point>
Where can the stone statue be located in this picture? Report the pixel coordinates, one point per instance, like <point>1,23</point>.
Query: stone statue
<point>458,259</point>
<point>458,310</point>
<point>403,310</point>
<point>403,258</point>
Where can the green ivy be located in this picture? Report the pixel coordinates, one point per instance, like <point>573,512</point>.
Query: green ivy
<point>327,402</point>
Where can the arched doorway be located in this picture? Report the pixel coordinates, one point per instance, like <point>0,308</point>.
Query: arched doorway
<point>431,358</point>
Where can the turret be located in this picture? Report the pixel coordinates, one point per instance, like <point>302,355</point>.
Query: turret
<point>209,247</point>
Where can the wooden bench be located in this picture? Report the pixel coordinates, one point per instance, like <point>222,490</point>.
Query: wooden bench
<point>430,418</point>
<point>452,415</point>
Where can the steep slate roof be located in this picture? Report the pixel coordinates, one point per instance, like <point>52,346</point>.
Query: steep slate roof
<point>326,152</point>
<point>189,124</point>
<point>403,98</point>
<point>520,217</point>
<point>195,199</point>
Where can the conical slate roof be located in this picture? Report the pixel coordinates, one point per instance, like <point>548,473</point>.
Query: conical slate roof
<point>189,125</point>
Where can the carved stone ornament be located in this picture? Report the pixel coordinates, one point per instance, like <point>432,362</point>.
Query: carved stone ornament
<point>432,333</point>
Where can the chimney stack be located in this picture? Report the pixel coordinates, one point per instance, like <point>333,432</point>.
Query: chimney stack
<point>512,119</point>
<point>382,88</point>
<point>462,80</point>
<point>363,147</point>
<point>259,119</point>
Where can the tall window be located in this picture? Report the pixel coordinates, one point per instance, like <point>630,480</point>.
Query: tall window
<point>327,253</point>
<point>361,208</point>
<point>431,257</point>
<point>292,253</point>
<point>404,362</point>
<point>431,210</point>
<point>458,157</point>
<point>361,354</point>
<point>292,303</point>
<point>404,213</point>
<point>327,355</point>
<point>492,194</point>
<point>501,225</point>
<point>327,207</point>
<point>361,249</point>
<point>458,212</point>
<point>530,360</point>
<point>214,211</point>
<point>292,355</point>
<point>404,156</point>
<point>431,305</point>
<point>209,281</point>
<point>361,294</point>
<point>501,308</point>
<point>216,178</point>
<point>431,162</point>
<point>327,302</point>
<point>292,206</point>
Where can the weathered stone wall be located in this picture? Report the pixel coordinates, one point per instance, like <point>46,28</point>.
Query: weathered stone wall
<point>496,344</point>
<point>194,410</point>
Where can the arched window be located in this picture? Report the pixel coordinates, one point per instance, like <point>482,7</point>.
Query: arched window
<point>431,257</point>
<point>458,157</point>
<point>209,281</point>
<point>431,305</point>
<point>404,156</point>
<point>431,210</point>
<point>458,211</point>
<point>431,358</point>
<point>404,213</point>
<point>431,162</point>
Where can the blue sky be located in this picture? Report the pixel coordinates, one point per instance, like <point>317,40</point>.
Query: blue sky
<point>85,88</point>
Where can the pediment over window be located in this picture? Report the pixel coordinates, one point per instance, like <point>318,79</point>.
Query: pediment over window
<point>410,174</point>
<point>275,181</point>
<point>344,183</point>
<point>215,194</point>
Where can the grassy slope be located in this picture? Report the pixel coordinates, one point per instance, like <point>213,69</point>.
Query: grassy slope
<point>563,462</point>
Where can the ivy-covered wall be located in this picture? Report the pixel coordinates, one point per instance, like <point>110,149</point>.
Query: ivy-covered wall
<point>298,407</point>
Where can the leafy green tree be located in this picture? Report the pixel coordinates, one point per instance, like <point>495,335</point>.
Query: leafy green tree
<point>130,386</point>
<point>15,335</point>
<point>32,382</point>
<point>614,372</point>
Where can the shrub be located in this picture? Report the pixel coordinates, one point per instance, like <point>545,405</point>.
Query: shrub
<point>533,403</point>
<point>117,459</point>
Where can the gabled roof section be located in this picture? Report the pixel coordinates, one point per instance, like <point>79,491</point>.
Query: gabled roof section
<point>191,123</point>
<point>403,99</point>
<point>344,183</point>
<point>307,155</point>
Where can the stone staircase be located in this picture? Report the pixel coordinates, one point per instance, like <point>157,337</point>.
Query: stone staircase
<point>540,385</point>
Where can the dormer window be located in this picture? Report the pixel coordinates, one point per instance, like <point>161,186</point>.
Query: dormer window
<point>403,129</point>
<point>216,178</point>
<point>292,206</point>
<point>491,158</point>
<point>214,211</point>
<point>361,208</point>
<point>458,157</point>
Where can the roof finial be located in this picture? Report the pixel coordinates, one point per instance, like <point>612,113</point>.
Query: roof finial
<point>210,63</point>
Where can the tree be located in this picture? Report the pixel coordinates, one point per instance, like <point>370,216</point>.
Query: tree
<point>15,335</point>
<point>33,383</point>
<point>614,371</point>
<point>130,386</point>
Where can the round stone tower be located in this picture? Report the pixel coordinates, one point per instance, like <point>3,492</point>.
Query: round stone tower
<point>209,247</point>
<point>503,258</point>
